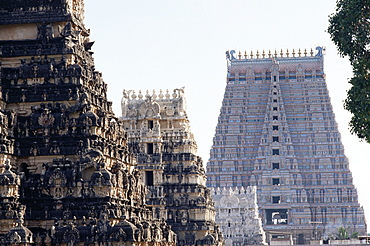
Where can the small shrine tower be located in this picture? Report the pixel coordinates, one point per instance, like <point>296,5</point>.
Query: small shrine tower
<point>159,134</point>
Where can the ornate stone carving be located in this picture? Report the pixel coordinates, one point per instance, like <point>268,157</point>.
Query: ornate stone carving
<point>77,179</point>
<point>165,148</point>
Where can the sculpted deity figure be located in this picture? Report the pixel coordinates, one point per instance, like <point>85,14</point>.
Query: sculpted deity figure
<point>124,102</point>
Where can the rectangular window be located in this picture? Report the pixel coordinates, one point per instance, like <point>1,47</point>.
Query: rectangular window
<point>276,199</point>
<point>275,139</point>
<point>275,128</point>
<point>275,181</point>
<point>275,117</point>
<point>149,148</point>
<point>275,165</point>
<point>149,178</point>
<point>275,152</point>
<point>150,124</point>
<point>274,108</point>
<point>275,100</point>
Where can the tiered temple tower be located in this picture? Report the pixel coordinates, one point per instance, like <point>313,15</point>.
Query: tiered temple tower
<point>277,131</point>
<point>67,177</point>
<point>159,134</point>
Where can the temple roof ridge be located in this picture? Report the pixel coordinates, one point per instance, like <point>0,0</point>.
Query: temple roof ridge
<point>268,55</point>
<point>163,94</point>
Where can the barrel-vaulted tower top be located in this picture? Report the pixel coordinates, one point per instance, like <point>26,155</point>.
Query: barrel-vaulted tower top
<point>36,11</point>
<point>241,63</point>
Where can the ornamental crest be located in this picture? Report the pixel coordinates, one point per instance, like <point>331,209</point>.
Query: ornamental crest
<point>46,120</point>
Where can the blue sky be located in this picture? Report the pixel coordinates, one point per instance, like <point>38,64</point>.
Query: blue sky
<point>167,44</point>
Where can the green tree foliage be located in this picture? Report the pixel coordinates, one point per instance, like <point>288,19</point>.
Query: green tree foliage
<point>342,233</point>
<point>354,235</point>
<point>350,31</point>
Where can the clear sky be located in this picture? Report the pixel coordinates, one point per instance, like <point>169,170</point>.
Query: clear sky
<point>167,44</point>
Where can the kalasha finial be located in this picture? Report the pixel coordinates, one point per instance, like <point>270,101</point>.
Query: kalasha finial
<point>269,53</point>
<point>281,53</point>
<point>167,94</point>
<point>299,52</point>
<point>240,55</point>
<point>257,54</point>
<point>245,55</point>
<point>161,94</point>
<point>305,52</point>
<point>311,52</point>
<point>263,54</point>
<point>275,54</point>
<point>251,54</point>
<point>293,53</point>
<point>287,53</point>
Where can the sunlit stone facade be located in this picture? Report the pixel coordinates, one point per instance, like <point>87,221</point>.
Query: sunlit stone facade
<point>159,135</point>
<point>237,215</point>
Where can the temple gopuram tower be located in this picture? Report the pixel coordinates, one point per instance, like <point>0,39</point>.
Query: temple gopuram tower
<point>66,175</point>
<point>159,134</point>
<point>277,131</point>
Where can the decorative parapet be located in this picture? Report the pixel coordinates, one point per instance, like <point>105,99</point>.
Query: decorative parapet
<point>230,55</point>
<point>153,105</point>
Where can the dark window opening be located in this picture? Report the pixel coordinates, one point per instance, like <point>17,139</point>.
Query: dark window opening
<point>274,108</point>
<point>275,100</point>
<point>275,117</point>
<point>274,78</point>
<point>300,239</point>
<point>275,165</point>
<point>275,93</point>
<point>150,125</point>
<point>228,224</point>
<point>275,128</point>
<point>149,178</point>
<point>275,181</point>
<point>275,139</point>
<point>276,199</point>
<point>24,169</point>
<point>275,152</point>
<point>149,148</point>
<point>277,216</point>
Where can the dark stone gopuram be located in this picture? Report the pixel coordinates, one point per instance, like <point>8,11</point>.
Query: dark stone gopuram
<point>66,174</point>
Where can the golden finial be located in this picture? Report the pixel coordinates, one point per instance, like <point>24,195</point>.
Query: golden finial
<point>263,54</point>
<point>311,52</point>
<point>258,54</point>
<point>240,55</point>
<point>293,53</point>
<point>287,53</point>
<point>275,54</point>
<point>251,54</point>
<point>299,52</point>
<point>281,53</point>
<point>305,52</point>
<point>245,55</point>
<point>269,53</point>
